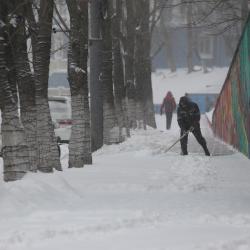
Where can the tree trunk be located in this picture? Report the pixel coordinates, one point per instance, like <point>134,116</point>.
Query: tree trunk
<point>169,50</point>
<point>111,132</point>
<point>26,87</point>
<point>15,151</point>
<point>190,65</point>
<point>143,67</point>
<point>119,88</point>
<point>47,151</point>
<point>129,57</point>
<point>33,27</point>
<point>80,145</point>
<point>148,93</point>
<point>139,66</point>
<point>165,19</point>
<point>96,90</point>
<point>87,154</point>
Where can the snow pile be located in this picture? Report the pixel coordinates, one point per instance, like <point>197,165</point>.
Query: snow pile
<point>135,196</point>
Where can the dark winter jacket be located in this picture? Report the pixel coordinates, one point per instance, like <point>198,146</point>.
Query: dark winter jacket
<point>168,104</point>
<point>188,113</point>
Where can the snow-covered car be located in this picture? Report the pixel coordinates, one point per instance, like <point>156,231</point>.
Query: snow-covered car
<point>60,109</point>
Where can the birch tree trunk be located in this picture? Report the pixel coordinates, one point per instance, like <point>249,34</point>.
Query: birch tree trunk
<point>96,90</point>
<point>15,151</point>
<point>47,151</point>
<point>80,145</point>
<point>111,132</point>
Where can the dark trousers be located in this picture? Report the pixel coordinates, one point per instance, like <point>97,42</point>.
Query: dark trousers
<point>197,134</point>
<point>168,119</point>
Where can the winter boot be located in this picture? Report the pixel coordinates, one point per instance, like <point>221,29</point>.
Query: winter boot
<point>184,151</point>
<point>207,153</point>
<point>206,150</point>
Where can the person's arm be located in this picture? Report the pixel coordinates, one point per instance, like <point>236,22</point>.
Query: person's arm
<point>180,119</point>
<point>195,114</point>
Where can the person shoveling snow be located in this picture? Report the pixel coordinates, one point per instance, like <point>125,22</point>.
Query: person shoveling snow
<point>188,118</point>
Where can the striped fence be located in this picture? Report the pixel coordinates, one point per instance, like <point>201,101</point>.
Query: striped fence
<point>231,118</point>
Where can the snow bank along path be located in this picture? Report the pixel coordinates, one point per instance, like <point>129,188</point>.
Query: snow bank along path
<point>134,197</point>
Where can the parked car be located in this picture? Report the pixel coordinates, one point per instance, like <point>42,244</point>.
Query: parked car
<point>60,109</point>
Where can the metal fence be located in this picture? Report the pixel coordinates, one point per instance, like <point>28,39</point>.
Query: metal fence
<point>231,118</point>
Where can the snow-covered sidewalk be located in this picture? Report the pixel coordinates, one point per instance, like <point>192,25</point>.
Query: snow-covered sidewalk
<point>134,197</point>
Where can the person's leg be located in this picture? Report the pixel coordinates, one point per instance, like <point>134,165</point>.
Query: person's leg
<point>169,119</point>
<point>184,142</point>
<point>197,134</point>
<point>166,114</point>
<point>170,114</point>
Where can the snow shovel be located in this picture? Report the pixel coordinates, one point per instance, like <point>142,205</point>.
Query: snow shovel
<point>186,133</point>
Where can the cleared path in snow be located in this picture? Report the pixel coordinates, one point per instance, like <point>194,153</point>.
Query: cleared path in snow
<point>215,146</point>
<point>134,197</point>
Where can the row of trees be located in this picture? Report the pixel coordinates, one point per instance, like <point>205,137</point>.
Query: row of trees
<point>118,48</point>
<point>28,139</point>
<point>121,36</point>
<point>109,71</point>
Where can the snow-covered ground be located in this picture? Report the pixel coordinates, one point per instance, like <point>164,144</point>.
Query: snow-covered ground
<point>181,82</point>
<point>135,196</point>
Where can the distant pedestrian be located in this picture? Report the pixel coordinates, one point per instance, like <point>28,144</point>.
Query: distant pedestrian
<point>188,117</point>
<point>168,107</point>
